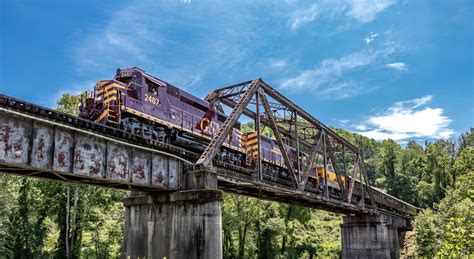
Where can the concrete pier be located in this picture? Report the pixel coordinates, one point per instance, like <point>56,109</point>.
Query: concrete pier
<point>370,236</point>
<point>182,224</point>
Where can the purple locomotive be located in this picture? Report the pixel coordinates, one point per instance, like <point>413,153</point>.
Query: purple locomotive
<point>145,105</point>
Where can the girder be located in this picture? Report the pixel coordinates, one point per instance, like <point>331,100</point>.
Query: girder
<point>79,151</point>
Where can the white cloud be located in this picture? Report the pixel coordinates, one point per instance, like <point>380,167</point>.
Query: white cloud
<point>360,127</point>
<point>365,10</point>
<point>323,10</point>
<point>361,11</point>
<point>326,77</point>
<point>343,90</point>
<point>371,37</point>
<point>407,120</point>
<point>343,122</point>
<point>277,63</point>
<point>303,16</point>
<point>417,102</point>
<point>398,66</point>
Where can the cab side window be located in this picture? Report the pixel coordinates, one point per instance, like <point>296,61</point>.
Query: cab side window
<point>152,88</point>
<point>173,91</point>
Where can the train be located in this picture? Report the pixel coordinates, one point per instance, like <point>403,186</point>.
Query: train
<point>145,105</point>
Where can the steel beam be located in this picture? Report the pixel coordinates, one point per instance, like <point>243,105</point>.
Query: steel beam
<point>310,162</point>
<point>279,140</point>
<point>298,156</point>
<point>353,178</point>
<point>338,176</point>
<point>367,184</point>
<point>326,190</point>
<point>258,130</point>
<point>218,139</point>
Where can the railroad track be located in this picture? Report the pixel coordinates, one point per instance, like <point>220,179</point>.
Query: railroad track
<point>21,106</point>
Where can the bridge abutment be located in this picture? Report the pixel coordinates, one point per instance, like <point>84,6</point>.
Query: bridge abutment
<point>182,224</point>
<point>370,236</point>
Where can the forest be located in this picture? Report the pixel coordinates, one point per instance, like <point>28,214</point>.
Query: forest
<point>40,218</point>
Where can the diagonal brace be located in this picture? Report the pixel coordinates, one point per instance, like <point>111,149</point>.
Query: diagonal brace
<point>367,184</point>
<point>309,163</point>
<point>333,161</point>
<point>218,139</point>
<point>353,177</point>
<point>279,140</point>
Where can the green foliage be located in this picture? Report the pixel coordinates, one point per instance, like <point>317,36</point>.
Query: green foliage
<point>26,229</point>
<point>465,161</point>
<point>448,229</point>
<point>261,229</point>
<point>428,233</point>
<point>69,104</point>
<point>8,205</point>
<point>33,219</point>
<point>250,127</point>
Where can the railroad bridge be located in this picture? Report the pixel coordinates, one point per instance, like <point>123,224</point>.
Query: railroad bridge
<point>174,210</point>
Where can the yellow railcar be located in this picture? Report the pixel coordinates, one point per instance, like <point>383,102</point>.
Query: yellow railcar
<point>331,175</point>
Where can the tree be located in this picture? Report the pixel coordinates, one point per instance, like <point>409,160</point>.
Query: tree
<point>8,206</point>
<point>26,231</point>
<point>439,161</point>
<point>240,214</point>
<point>465,161</point>
<point>428,233</point>
<point>447,230</point>
<point>387,166</point>
<point>69,104</point>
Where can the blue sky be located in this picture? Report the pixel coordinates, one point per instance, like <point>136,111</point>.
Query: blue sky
<point>386,69</point>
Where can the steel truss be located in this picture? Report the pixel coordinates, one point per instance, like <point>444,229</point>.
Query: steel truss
<point>291,126</point>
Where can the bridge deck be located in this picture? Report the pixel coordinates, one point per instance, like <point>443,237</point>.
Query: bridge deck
<point>39,142</point>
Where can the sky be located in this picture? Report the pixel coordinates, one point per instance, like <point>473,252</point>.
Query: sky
<point>384,68</point>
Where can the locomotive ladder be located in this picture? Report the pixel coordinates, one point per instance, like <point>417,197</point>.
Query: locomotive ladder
<point>218,139</point>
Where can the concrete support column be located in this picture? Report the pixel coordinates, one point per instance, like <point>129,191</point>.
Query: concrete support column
<point>183,224</point>
<point>369,236</point>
